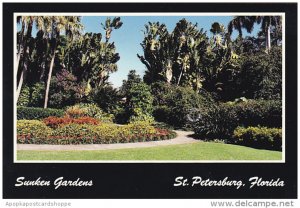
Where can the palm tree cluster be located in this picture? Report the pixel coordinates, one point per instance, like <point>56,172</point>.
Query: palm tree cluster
<point>187,56</point>
<point>247,22</point>
<point>60,44</point>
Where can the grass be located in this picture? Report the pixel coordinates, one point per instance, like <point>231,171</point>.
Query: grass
<point>195,151</point>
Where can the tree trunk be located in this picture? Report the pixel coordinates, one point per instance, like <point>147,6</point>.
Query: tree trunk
<point>180,77</point>
<point>268,39</point>
<point>24,70</point>
<point>20,85</point>
<point>49,79</point>
<point>18,61</point>
<point>21,46</point>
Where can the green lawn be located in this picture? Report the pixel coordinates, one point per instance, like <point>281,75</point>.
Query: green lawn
<point>196,151</point>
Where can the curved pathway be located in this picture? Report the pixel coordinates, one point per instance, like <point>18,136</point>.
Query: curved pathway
<point>182,138</point>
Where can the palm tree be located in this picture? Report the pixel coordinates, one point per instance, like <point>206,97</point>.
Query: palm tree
<point>241,22</point>
<point>72,27</point>
<point>110,25</point>
<point>24,47</point>
<point>248,22</point>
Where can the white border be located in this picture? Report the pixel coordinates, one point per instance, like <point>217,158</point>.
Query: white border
<point>158,161</point>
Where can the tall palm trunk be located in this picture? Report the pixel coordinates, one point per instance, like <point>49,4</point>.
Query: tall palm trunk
<point>18,61</point>
<point>180,76</point>
<point>21,46</point>
<point>49,79</point>
<point>268,39</point>
<point>21,80</point>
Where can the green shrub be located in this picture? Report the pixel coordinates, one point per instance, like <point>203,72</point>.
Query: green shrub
<point>174,104</point>
<point>29,131</point>
<point>258,112</point>
<point>106,97</point>
<point>139,103</point>
<point>32,96</point>
<point>259,137</point>
<point>120,115</point>
<point>30,113</point>
<point>37,95</point>
<point>162,125</point>
<point>220,121</point>
<point>217,122</point>
<point>24,96</point>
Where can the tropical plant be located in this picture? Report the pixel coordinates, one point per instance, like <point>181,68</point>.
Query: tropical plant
<point>173,57</point>
<point>221,64</point>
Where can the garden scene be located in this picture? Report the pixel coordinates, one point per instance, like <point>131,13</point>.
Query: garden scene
<point>149,88</point>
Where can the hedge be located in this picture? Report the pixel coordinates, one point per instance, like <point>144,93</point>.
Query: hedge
<point>259,137</point>
<point>31,113</point>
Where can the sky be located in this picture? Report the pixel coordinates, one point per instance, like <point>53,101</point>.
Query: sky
<point>129,37</point>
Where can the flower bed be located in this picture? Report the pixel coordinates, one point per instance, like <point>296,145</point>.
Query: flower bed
<point>74,133</point>
<point>55,122</point>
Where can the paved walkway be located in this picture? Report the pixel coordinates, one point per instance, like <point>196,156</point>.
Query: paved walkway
<point>182,138</point>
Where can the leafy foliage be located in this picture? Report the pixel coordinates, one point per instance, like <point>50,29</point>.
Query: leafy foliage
<point>261,75</point>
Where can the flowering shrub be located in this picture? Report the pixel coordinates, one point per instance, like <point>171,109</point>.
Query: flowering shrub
<point>259,137</point>
<point>55,122</point>
<point>142,127</point>
<point>90,110</point>
<point>75,112</point>
<point>30,130</point>
<point>73,133</point>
